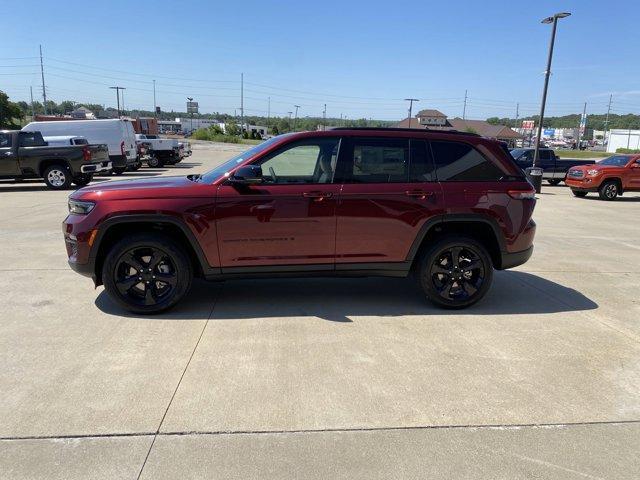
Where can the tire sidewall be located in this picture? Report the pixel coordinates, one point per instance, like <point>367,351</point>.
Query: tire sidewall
<point>83,180</point>
<point>179,258</point>
<point>603,190</point>
<point>67,177</point>
<point>429,257</point>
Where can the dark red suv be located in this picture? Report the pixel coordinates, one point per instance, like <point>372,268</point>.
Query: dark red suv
<point>447,206</point>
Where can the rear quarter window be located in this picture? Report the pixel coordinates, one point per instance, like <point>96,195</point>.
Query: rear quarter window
<point>461,162</point>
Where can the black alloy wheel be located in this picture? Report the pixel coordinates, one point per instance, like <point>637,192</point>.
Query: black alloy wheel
<point>456,272</point>
<point>608,190</point>
<point>147,273</point>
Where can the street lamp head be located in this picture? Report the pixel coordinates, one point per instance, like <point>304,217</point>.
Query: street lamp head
<point>556,16</point>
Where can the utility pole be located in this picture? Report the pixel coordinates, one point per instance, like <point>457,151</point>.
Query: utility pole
<point>191,108</point>
<point>290,113</point>
<point>117,89</point>
<point>606,122</point>
<point>410,100</point>
<point>583,118</point>
<point>324,118</point>
<point>517,114</point>
<point>268,112</point>
<point>123,109</point>
<point>33,111</point>
<point>295,120</point>
<point>44,87</point>
<point>242,103</point>
<point>155,107</point>
<point>464,108</point>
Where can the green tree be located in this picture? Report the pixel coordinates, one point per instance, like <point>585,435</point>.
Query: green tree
<point>231,128</point>
<point>9,113</point>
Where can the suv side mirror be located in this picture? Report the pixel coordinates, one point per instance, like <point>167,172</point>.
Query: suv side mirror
<point>247,175</point>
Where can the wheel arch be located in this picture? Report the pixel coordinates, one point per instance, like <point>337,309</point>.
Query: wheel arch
<point>115,228</point>
<point>49,162</point>
<point>483,229</point>
<point>615,179</point>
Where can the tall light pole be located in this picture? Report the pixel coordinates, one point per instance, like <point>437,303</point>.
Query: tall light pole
<point>290,113</point>
<point>191,108</point>
<point>554,21</point>
<point>410,100</point>
<point>155,107</point>
<point>117,89</point>
<point>295,119</point>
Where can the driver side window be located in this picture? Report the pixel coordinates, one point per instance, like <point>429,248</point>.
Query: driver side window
<point>312,161</point>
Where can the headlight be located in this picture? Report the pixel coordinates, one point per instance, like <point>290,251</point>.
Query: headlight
<point>593,173</point>
<point>79,207</point>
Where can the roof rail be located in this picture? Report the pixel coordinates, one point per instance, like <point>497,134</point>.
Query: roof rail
<point>412,130</point>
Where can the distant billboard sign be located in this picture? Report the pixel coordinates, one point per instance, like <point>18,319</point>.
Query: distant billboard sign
<point>192,107</point>
<point>528,124</point>
<point>549,132</point>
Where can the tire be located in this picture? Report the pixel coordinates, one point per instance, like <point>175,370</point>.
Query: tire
<point>608,190</point>
<point>141,253</point>
<point>154,162</point>
<point>119,170</point>
<point>554,181</point>
<point>135,166</point>
<point>578,193</point>
<point>57,177</point>
<point>82,179</point>
<point>437,266</point>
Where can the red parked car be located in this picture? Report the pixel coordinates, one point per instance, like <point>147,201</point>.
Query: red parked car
<point>609,177</point>
<point>450,207</point>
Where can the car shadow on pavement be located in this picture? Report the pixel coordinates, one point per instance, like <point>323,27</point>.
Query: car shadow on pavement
<point>339,299</point>
<point>618,199</point>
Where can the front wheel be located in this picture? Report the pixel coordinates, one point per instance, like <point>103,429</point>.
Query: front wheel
<point>57,177</point>
<point>554,182</point>
<point>119,170</point>
<point>147,273</point>
<point>608,190</point>
<point>455,272</point>
<point>83,179</point>
<point>579,193</point>
<point>155,162</point>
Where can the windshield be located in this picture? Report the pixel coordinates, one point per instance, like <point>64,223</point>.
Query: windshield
<point>516,152</point>
<point>616,161</point>
<point>212,175</point>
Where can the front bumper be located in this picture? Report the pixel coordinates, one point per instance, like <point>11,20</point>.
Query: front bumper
<point>96,167</point>
<point>584,184</point>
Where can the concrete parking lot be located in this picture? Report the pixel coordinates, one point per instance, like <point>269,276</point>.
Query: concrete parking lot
<point>325,378</point>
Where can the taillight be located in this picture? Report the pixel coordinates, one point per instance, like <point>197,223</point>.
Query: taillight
<point>86,154</point>
<point>523,194</point>
<point>122,148</point>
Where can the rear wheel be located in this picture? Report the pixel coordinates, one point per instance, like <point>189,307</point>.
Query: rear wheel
<point>83,179</point>
<point>135,166</point>
<point>119,170</point>
<point>155,162</point>
<point>554,181</point>
<point>578,193</point>
<point>147,273</point>
<point>57,177</point>
<point>455,272</point>
<point>608,190</point>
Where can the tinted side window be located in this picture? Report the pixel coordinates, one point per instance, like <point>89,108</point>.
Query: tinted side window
<point>459,162</point>
<point>5,140</point>
<point>545,155</point>
<point>378,160</point>
<point>421,168</point>
<point>31,139</point>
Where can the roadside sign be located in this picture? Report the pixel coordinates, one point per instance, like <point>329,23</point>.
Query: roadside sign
<point>192,107</point>
<point>528,124</point>
<point>549,132</point>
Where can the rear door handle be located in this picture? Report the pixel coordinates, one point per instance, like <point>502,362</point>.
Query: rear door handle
<point>418,194</point>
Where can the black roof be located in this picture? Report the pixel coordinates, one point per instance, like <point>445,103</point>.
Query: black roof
<point>411,130</point>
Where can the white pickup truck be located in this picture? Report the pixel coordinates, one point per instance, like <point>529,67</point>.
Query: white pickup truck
<point>161,151</point>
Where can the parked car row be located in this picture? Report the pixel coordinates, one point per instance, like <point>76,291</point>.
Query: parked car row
<point>610,177</point>
<point>71,152</point>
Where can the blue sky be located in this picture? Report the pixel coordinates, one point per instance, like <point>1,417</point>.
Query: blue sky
<point>361,58</point>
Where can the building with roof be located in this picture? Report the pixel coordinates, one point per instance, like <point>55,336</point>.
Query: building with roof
<point>436,120</point>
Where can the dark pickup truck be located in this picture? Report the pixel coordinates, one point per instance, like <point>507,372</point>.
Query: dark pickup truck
<point>554,168</point>
<point>27,155</point>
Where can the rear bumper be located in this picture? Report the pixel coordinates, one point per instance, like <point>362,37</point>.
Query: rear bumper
<point>97,167</point>
<point>513,259</point>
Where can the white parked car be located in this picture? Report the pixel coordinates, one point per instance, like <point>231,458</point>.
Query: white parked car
<point>117,134</point>
<point>162,151</point>
<point>64,140</point>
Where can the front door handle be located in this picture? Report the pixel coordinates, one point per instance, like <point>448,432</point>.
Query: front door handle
<point>8,154</point>
<point>421,194</point>
<point>317,196</point>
